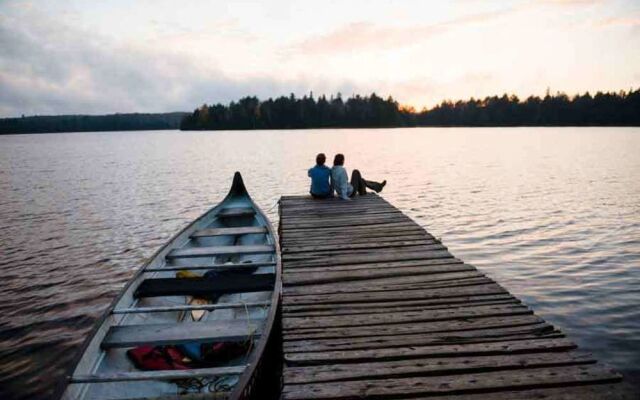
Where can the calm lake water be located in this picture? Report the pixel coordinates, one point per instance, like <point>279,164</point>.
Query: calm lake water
<point>553,214</point>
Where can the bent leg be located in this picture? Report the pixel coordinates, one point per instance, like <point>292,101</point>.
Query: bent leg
<point>375,185</point>
<point>359,184</point>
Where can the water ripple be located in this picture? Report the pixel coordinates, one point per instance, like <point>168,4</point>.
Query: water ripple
<point>552,214</point>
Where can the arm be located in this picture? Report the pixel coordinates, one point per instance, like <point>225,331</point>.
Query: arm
<point>343,182</point>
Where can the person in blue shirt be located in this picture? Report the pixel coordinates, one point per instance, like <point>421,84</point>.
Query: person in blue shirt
<point>319,174</point>
<point>358,184</point>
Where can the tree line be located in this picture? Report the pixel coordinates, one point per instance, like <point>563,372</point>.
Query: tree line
<point>602,109</point>
<point>91,123</point>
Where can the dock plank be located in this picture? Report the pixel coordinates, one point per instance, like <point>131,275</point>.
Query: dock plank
<point>455,384</point>
<point>431,366</point>
<point>374,306</point>
<point>395,317</point>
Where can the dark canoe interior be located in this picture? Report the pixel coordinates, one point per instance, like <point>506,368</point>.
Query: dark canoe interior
<point>236,301</point>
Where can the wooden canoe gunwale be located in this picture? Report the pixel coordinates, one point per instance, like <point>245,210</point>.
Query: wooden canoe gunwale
<point>102,325</point>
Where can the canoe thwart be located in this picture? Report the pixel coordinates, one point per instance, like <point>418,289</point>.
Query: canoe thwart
<point>243,230</point>
<point>173,334</point>
<point>204,307</point>
<point>156,375</point>
<point>237,212</point>
<point>220,250</point>
<point>199,287</point>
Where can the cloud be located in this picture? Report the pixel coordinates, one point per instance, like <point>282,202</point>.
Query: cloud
<point>633,21</point>
<point>572,2</point>
<point>366,35</point>
<point>50,68</point>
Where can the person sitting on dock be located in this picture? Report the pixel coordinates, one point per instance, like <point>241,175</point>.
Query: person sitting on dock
<point>358,184</point>
<point>319,174</point>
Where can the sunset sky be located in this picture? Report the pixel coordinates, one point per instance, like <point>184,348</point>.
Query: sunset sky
<point>155,56</point>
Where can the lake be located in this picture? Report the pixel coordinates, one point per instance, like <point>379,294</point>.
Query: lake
<point>553,214</point>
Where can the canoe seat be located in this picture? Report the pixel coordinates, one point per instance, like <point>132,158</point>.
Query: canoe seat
<point>236,212</point>
<point>205,287</point>
<point>184,332</point>
<point>243,230</point>
<point>156,375</point>
<point>220,250</point>
<point>207,267</point>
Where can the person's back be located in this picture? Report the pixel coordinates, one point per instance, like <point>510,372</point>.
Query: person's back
<point>319,175</point>
<point>340,182</point>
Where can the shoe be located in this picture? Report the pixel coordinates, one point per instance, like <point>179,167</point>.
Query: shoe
<point>382,185</point>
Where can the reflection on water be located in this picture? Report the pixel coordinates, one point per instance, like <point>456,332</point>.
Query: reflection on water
<point>552,214</point>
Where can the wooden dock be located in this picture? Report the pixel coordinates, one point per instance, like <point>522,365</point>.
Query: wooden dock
<point>376,307</point>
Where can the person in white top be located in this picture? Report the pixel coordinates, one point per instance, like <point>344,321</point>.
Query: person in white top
<point>358,184</point>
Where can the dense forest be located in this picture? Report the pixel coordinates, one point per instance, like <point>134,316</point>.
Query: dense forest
<point>601,109</point>
<point>91,123</point>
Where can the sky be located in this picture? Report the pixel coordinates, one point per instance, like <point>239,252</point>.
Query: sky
<point>96,57</point>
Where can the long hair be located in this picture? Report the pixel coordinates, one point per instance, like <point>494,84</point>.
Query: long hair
<point>338,159</point>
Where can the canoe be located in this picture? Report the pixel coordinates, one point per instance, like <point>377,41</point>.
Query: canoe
<point>203,307</point>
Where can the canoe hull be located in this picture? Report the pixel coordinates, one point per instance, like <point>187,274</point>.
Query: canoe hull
<point>256,378</point>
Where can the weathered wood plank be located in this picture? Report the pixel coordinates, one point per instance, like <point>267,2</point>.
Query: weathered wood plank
<point>437,303</point>
<point>451,350</point>
<point>369,258</point>
<point>391,342</point>
<point>372,244</point>
<point>328,213</point>
<point>357,232</point>
<point>381,287</point>
<point>593,391</point>
<point>394,295</point>
<point>292,323</point>
<point>423,338</point>
<point>363,226</point>
<point>333,239</point>
<point>387,283</point>
<point>430,367</point>
<point>292,271</point>
<point>385,309</point>
<point>316,278</point>
<point>453,327</point>
<point>407,252</point>
<point>455,384</point>
<point>229,231</point>
<point>343,223</point>
<point>220,250</point>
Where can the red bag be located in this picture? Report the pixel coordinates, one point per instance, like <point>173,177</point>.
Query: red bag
<point>149,358</point>
<point>222,352</point>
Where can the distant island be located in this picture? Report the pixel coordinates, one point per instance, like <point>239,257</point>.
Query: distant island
<point>602,109</point>
<point>91,123</point>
